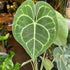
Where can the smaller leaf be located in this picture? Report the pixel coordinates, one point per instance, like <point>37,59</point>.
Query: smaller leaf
<point>47,64</point>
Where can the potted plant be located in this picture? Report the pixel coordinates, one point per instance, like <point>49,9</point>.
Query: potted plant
<point>36,27</point>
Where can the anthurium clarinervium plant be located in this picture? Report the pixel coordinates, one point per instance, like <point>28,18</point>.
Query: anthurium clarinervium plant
<point>36,27</point>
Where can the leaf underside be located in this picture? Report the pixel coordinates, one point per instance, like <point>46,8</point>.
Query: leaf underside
<point>34,27</point>
<point>62,34</point>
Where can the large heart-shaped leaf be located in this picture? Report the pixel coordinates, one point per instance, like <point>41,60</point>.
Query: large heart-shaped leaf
<point>34,27</point>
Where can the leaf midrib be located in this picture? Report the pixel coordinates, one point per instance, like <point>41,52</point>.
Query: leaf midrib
<point>34,39</point>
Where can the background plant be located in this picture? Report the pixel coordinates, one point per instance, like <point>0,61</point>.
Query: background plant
<point>3,39</point>
<point>62,57</point>
<point>6,62</point>
<point>58,5</point>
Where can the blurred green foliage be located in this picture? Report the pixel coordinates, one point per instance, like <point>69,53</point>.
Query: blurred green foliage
<point>8,64</point>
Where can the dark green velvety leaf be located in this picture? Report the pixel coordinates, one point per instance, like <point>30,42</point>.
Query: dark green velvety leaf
<point>62,34</point>
<point>35,27</point>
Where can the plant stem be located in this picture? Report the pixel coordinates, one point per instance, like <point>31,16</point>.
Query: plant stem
<point>41,66</point>
<point>24,63</point>
<point>32,65</point>
<point>35,65</point>
<point>42,60</point>
<point>3,42</point>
